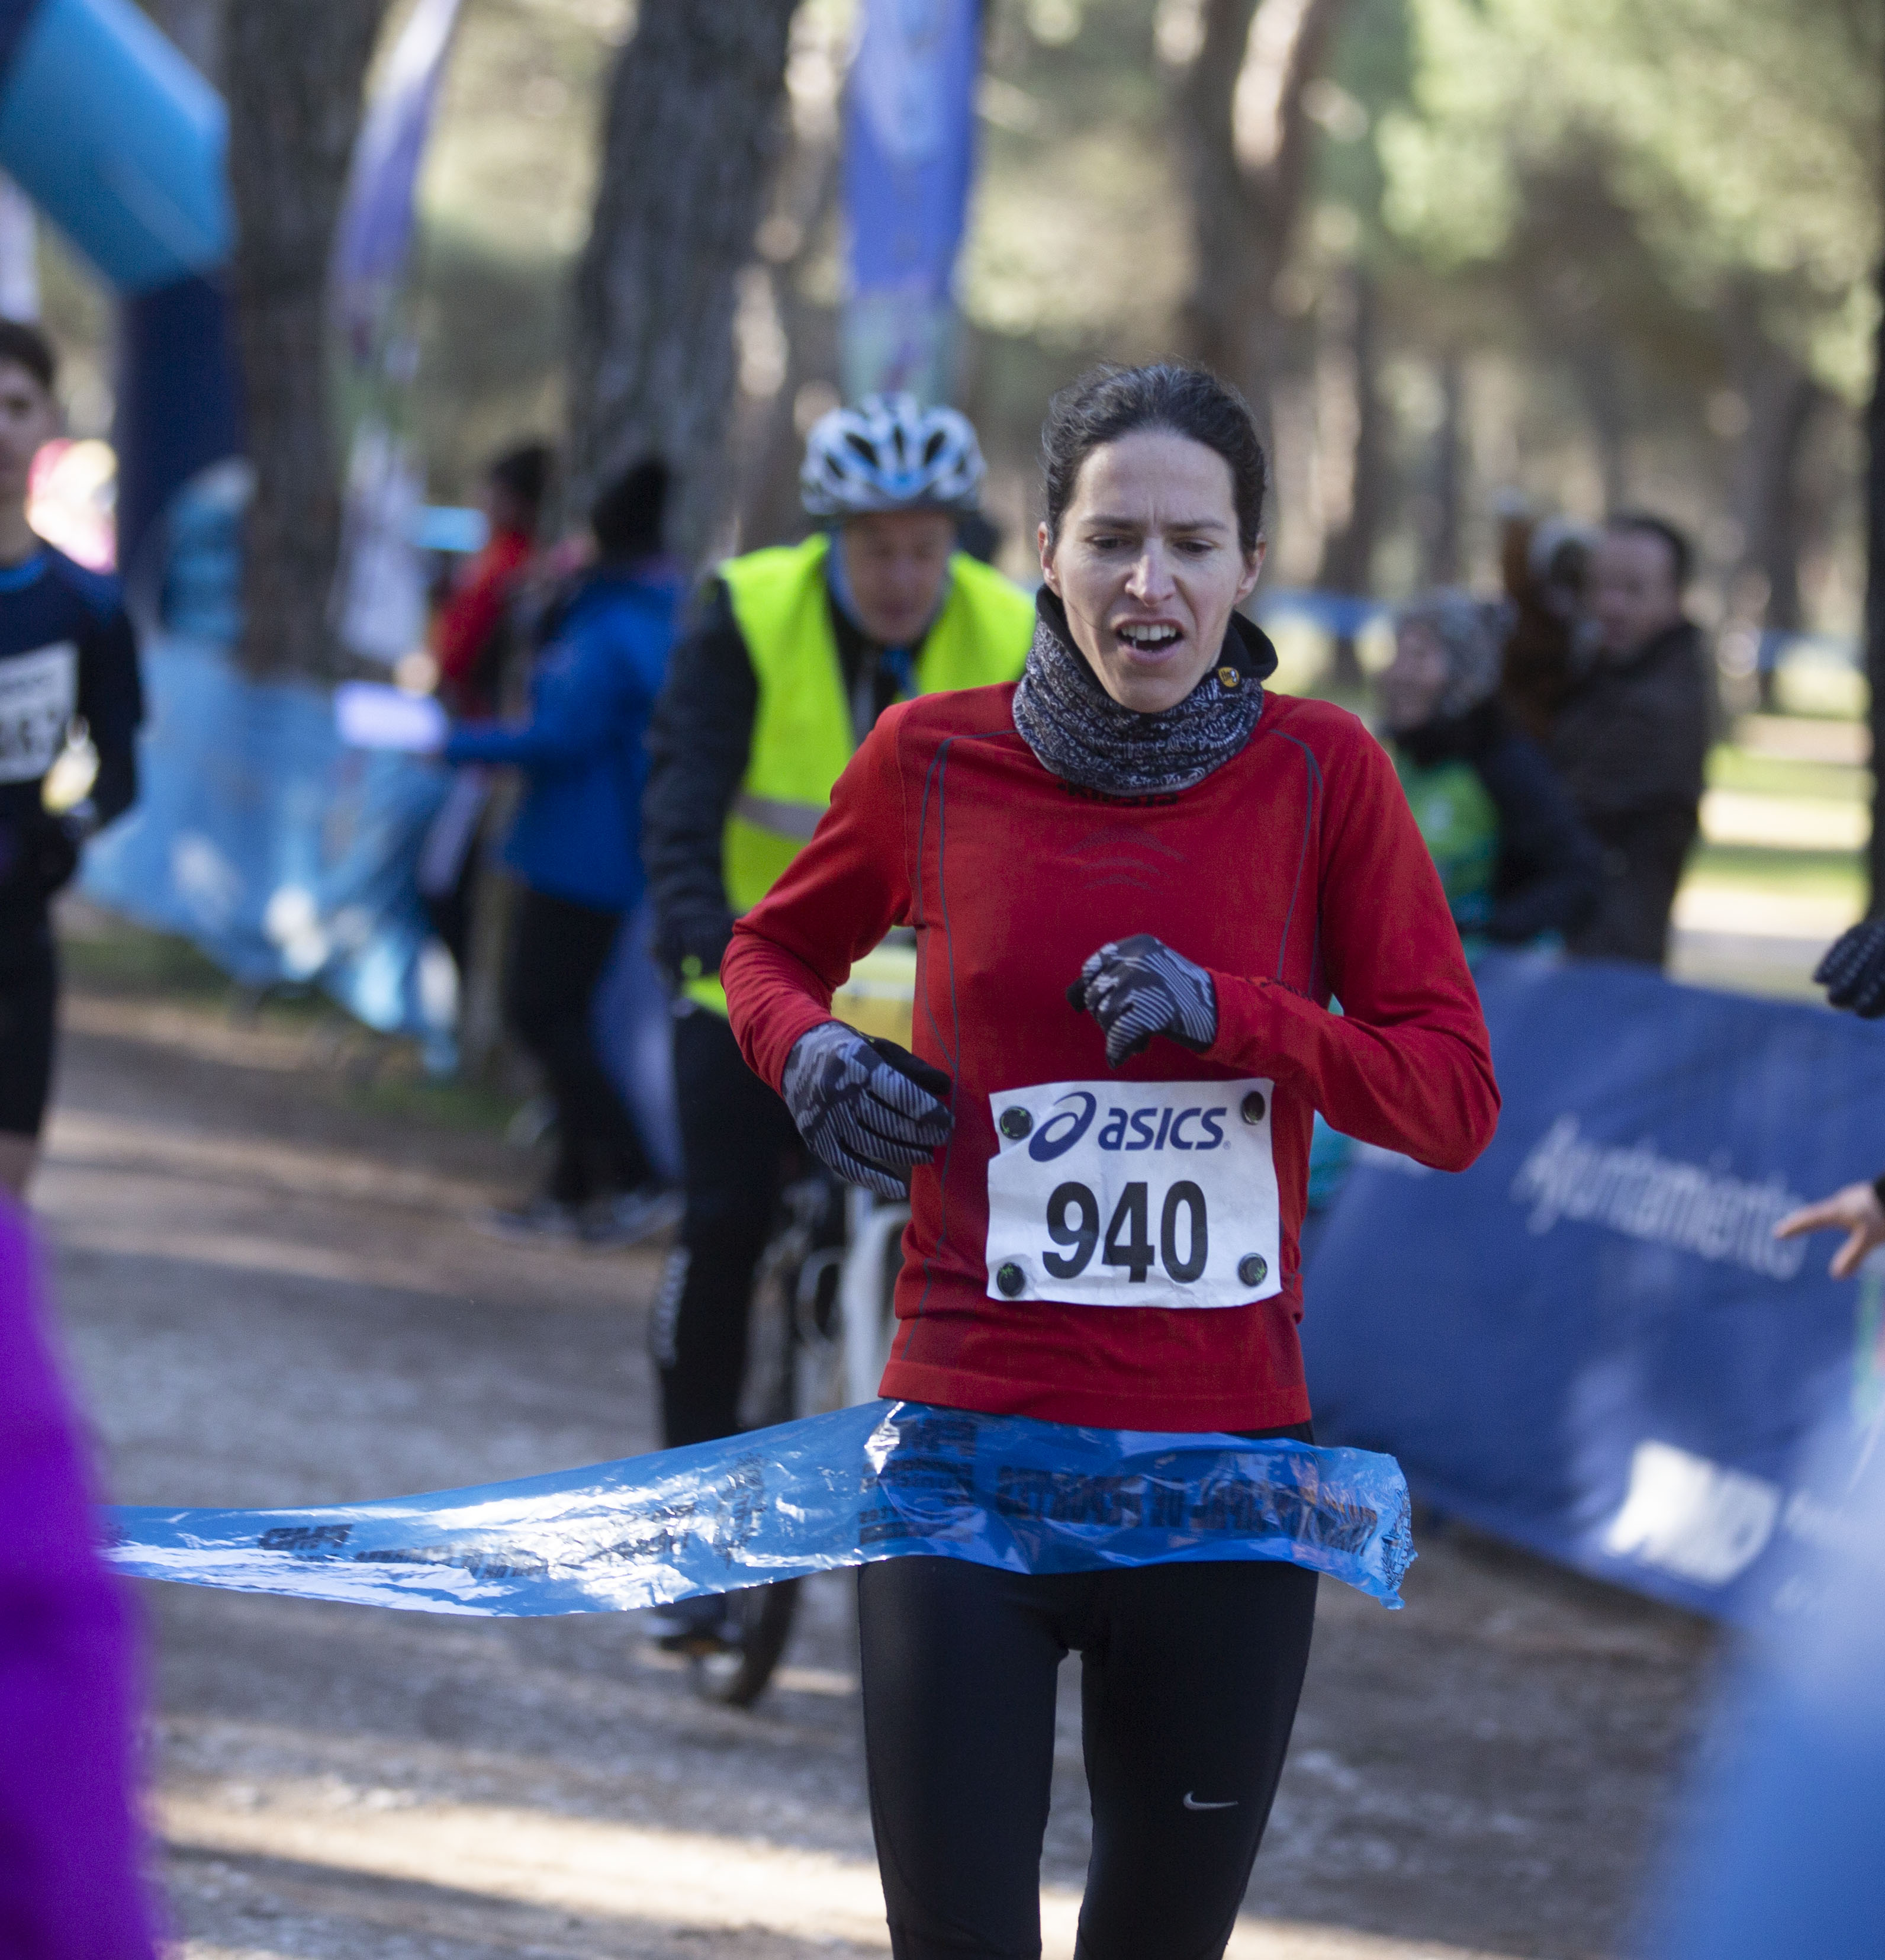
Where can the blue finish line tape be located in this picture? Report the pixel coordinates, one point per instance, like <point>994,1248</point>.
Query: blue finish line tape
<point>881,1481</point>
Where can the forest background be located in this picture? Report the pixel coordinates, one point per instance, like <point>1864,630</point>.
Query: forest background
<point>1462,253</point>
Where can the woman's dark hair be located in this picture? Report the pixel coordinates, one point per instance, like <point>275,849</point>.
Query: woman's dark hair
<point>626,518</point>
<point>23,344</point>
<point>1106,403</point>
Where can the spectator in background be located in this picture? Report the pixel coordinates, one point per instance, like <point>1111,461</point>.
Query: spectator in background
<point>1632,737</point>
<point>576,847</point>
<point>1516,863</point>
<point>1546,567</point>
<point>470,635</point>
<point>70,1887</point>
<point>70,704</point>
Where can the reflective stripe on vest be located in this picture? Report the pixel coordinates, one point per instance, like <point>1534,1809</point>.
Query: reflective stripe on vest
<point>801,735</point>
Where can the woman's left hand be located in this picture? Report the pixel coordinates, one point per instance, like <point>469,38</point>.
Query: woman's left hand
<point>1138,988</point>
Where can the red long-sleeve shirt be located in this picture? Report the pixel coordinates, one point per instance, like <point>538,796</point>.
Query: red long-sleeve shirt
<point>1292,872</point>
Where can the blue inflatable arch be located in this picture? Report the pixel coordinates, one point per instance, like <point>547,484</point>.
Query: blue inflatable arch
<point>121,144</point>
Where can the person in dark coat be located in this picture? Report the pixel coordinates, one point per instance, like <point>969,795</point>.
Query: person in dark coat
<point>1516,863</point>
<point>1631,739</point>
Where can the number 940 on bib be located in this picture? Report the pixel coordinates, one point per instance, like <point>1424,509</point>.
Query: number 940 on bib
<point>1143,1193</point>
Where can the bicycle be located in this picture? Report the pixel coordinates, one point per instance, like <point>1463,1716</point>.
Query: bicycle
<point>820,1333</point>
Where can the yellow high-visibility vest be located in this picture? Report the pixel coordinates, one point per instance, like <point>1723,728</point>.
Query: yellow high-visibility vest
<point>803,735</point>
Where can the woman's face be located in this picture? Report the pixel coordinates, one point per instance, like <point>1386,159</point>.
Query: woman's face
<point>1410,686</point>
<point>1149,566</point>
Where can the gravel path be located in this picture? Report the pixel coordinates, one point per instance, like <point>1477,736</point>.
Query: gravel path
<point>271,1296</point>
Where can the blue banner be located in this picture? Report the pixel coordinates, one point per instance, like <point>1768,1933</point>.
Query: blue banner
<point>883,1480</point>
<point>909,155</point>
<point>1591,1342</point>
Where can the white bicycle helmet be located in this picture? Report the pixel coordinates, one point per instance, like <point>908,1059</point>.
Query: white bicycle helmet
<point>890,453</point>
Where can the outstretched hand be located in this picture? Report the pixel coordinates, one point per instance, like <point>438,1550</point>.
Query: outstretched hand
<point>1138,988</point>
<point>1855,1210</point>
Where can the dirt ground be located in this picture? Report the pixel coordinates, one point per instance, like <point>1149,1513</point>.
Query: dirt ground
<point>270,1295</point>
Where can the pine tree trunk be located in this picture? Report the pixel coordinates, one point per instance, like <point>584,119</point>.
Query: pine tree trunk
<point>1445,530</point>
<point>1782,402</point>
<point>1875,602</point>
<point>690,128</point>
<point>1246,204</point>
<point>294,75</point>
<point>1348,555</point>
<point>195,27</point>
<point>1348,552</point>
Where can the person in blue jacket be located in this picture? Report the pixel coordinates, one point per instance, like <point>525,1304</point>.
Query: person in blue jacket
<point>576,848</point>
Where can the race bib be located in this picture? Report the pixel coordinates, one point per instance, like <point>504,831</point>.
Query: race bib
<point>39,696</point>
<point>1145,1194</point>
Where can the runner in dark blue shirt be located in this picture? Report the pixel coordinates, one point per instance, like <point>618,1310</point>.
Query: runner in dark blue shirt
<point>69,671</point>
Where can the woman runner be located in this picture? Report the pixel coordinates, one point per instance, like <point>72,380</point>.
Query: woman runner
<point>1134,879</point>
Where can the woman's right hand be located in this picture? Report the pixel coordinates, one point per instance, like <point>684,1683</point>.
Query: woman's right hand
<point>1855,1210</point>
<point>868,1110</point>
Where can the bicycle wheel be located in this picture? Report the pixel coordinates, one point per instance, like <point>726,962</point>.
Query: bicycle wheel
<point>737,1677</point>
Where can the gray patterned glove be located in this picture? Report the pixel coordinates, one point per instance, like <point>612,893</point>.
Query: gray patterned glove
<point>1138,988</point>
<point>1853,971</point>
<point>868,1110</point>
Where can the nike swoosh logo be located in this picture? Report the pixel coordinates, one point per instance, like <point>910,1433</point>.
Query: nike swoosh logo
<point>1192,1803</point>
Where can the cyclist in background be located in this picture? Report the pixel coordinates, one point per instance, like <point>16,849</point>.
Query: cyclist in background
<point>798,651</point>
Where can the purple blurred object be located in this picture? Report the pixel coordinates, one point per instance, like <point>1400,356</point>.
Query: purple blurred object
<point>70,1888</point>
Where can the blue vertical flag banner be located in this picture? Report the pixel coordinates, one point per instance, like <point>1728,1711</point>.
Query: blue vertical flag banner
<point>909,156</point>
<point>1591,1343</point>
<point>379,586</point>
<point>374,233</point>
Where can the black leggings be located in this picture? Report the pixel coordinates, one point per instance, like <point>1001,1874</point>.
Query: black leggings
<point>29,1003</point>
<point>1189,1679</point>
<point>559,951</point>
<point>737,1138</point>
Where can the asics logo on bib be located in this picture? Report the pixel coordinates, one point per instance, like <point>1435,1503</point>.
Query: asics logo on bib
<point>1194,1128</point>
<point>1133,1194</point>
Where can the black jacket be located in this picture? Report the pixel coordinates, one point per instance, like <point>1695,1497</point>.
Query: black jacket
<point>66,648</point>
<point>699,741</point>
<point>1633,735</point>
<point>1549,869</point>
